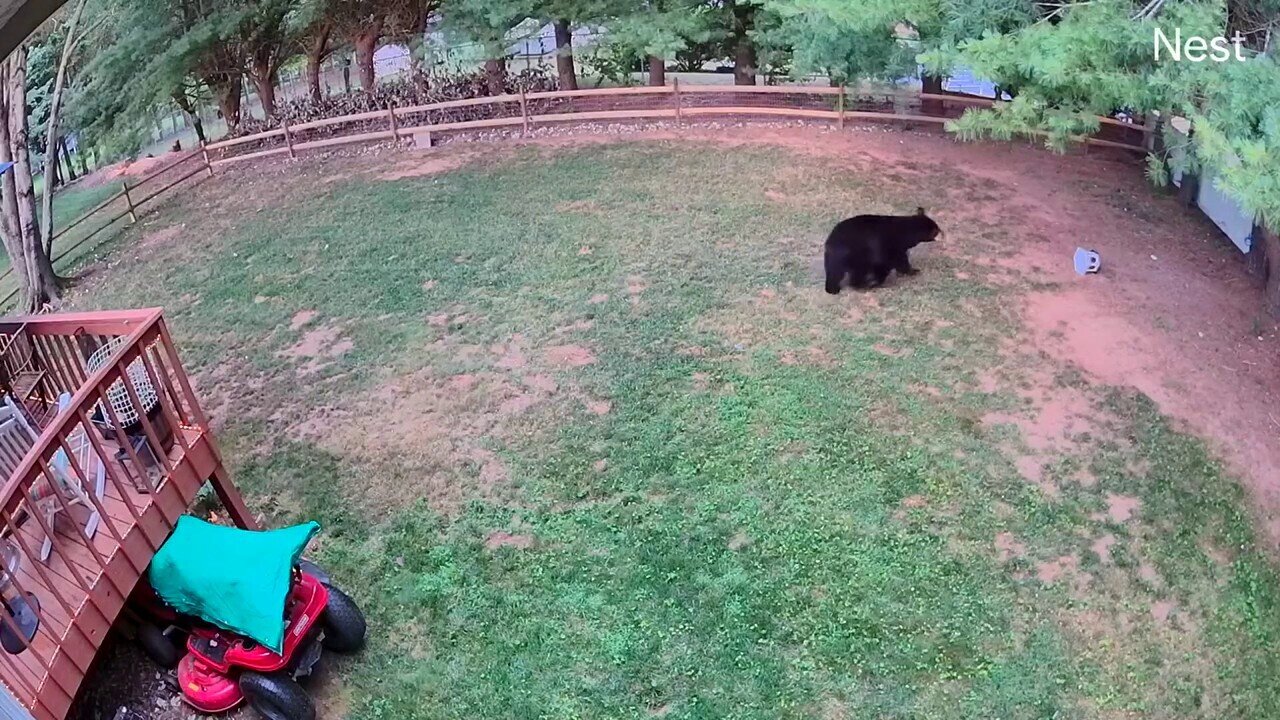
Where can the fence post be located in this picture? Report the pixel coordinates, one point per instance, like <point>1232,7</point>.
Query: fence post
<point>395,126</point>
<point>675,88</point>
<point>1150,126</point>
<point>524,112</point>
<point>288,139</point>
<point>208,166</point>
<point>133,216</point>
<point>840,123</point>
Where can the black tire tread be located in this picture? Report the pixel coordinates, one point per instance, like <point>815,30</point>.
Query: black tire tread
<point>344,624</point>
<point>162,650</point>
<point>276,696</point>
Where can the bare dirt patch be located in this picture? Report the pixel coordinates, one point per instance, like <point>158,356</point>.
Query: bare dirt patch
<point>444,428</point>
<point>1161,609</point>
<point>568,356</point>
<point>501,538</point>
<point>598,407</point>
<point>301,319</point>
<point>1009,547</point>
<point>1054,570</point>
<point>416,166</point>
<point>1102,547</point>
<point>1120,508</point>
<point>318,348</point>
<point>161,238</point>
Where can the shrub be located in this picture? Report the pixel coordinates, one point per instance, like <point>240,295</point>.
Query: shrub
<point>421,88</point>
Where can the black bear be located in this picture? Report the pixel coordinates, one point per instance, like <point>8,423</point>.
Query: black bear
<point>874,245</point>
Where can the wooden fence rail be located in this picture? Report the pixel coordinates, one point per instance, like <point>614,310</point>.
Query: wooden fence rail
<point>670,102</point>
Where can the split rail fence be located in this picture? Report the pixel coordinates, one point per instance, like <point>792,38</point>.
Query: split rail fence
<point>675,102</point>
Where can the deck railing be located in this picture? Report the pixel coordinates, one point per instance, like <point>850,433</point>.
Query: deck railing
<point>676,103</point>
<point>119,447</point>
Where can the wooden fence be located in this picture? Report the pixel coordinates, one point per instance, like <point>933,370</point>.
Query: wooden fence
<point>134,196</point>
<point>674,102</point>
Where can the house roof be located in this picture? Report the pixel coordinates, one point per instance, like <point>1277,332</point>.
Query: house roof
<point>19,18</point>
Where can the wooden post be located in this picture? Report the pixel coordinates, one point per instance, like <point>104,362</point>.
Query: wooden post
<point>524,112</point>
<point>288,139</point>
<point>395,127</point>
<point>840,122</point>
<point>675,89</point>
<point>208,166</point>
<point>1150,126</point>
<point>133,217</point>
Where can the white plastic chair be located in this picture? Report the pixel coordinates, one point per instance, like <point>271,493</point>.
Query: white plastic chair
<point>90,464</point>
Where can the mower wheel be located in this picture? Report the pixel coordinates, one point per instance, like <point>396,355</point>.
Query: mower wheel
<point>344,625</point>
<point>276,697</point>
<point>162,650</point>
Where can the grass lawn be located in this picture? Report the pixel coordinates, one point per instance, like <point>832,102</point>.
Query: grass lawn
<point>588,441</point>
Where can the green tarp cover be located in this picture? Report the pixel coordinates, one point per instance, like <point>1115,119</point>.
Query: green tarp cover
<point>235,579</point>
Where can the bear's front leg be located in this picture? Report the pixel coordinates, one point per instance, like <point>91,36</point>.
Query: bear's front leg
<point>903,265</point>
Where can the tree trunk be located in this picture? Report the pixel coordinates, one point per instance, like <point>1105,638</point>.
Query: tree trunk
<point>657,71</point>
<point>931,85</point>
<point>495,75</point>
<point>227,89</point>
<point>51,138</point>
<point>316,52</point>
<point>185,105</point>
<point>346,76</point>
<point>366,44</point>
<point>744,49</point>
<point>42,282</point>
<point>564,56</point>
<point>70,171</point>
<point>1270,266</point>
<point>263,73</point>
<point>52,169</point>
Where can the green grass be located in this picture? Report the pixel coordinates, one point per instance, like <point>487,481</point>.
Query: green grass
<point>744,549</point>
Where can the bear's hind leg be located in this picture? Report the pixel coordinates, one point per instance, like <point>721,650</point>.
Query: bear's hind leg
<point>835,273</point>
<point>879,274</point>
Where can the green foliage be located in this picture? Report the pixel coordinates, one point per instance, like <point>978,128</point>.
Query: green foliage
<point>845,55</point>
<point>1097,58</point>
<point>1238,134</point>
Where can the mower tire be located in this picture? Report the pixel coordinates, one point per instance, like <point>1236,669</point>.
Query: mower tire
<point>162,650</point>
<point>276,697</point>
<point>344,625</point>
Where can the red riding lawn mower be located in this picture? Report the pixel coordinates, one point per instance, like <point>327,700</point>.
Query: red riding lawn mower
<point>223,667</point>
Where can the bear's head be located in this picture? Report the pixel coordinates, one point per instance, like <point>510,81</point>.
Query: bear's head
<point>924,228</point>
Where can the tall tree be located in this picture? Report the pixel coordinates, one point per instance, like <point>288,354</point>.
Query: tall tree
<point>52,137</point>
<point>565,16</point>
<point>742,24</point>
<point>361,23</point>
<point>488,23</point>
<point>658,29</point>
<point>18,221</point>
<point>266,43</point>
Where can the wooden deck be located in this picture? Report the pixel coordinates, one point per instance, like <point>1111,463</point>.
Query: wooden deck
<point>153,473</point>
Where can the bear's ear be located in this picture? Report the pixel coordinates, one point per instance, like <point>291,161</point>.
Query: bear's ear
<point>919,211</point>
